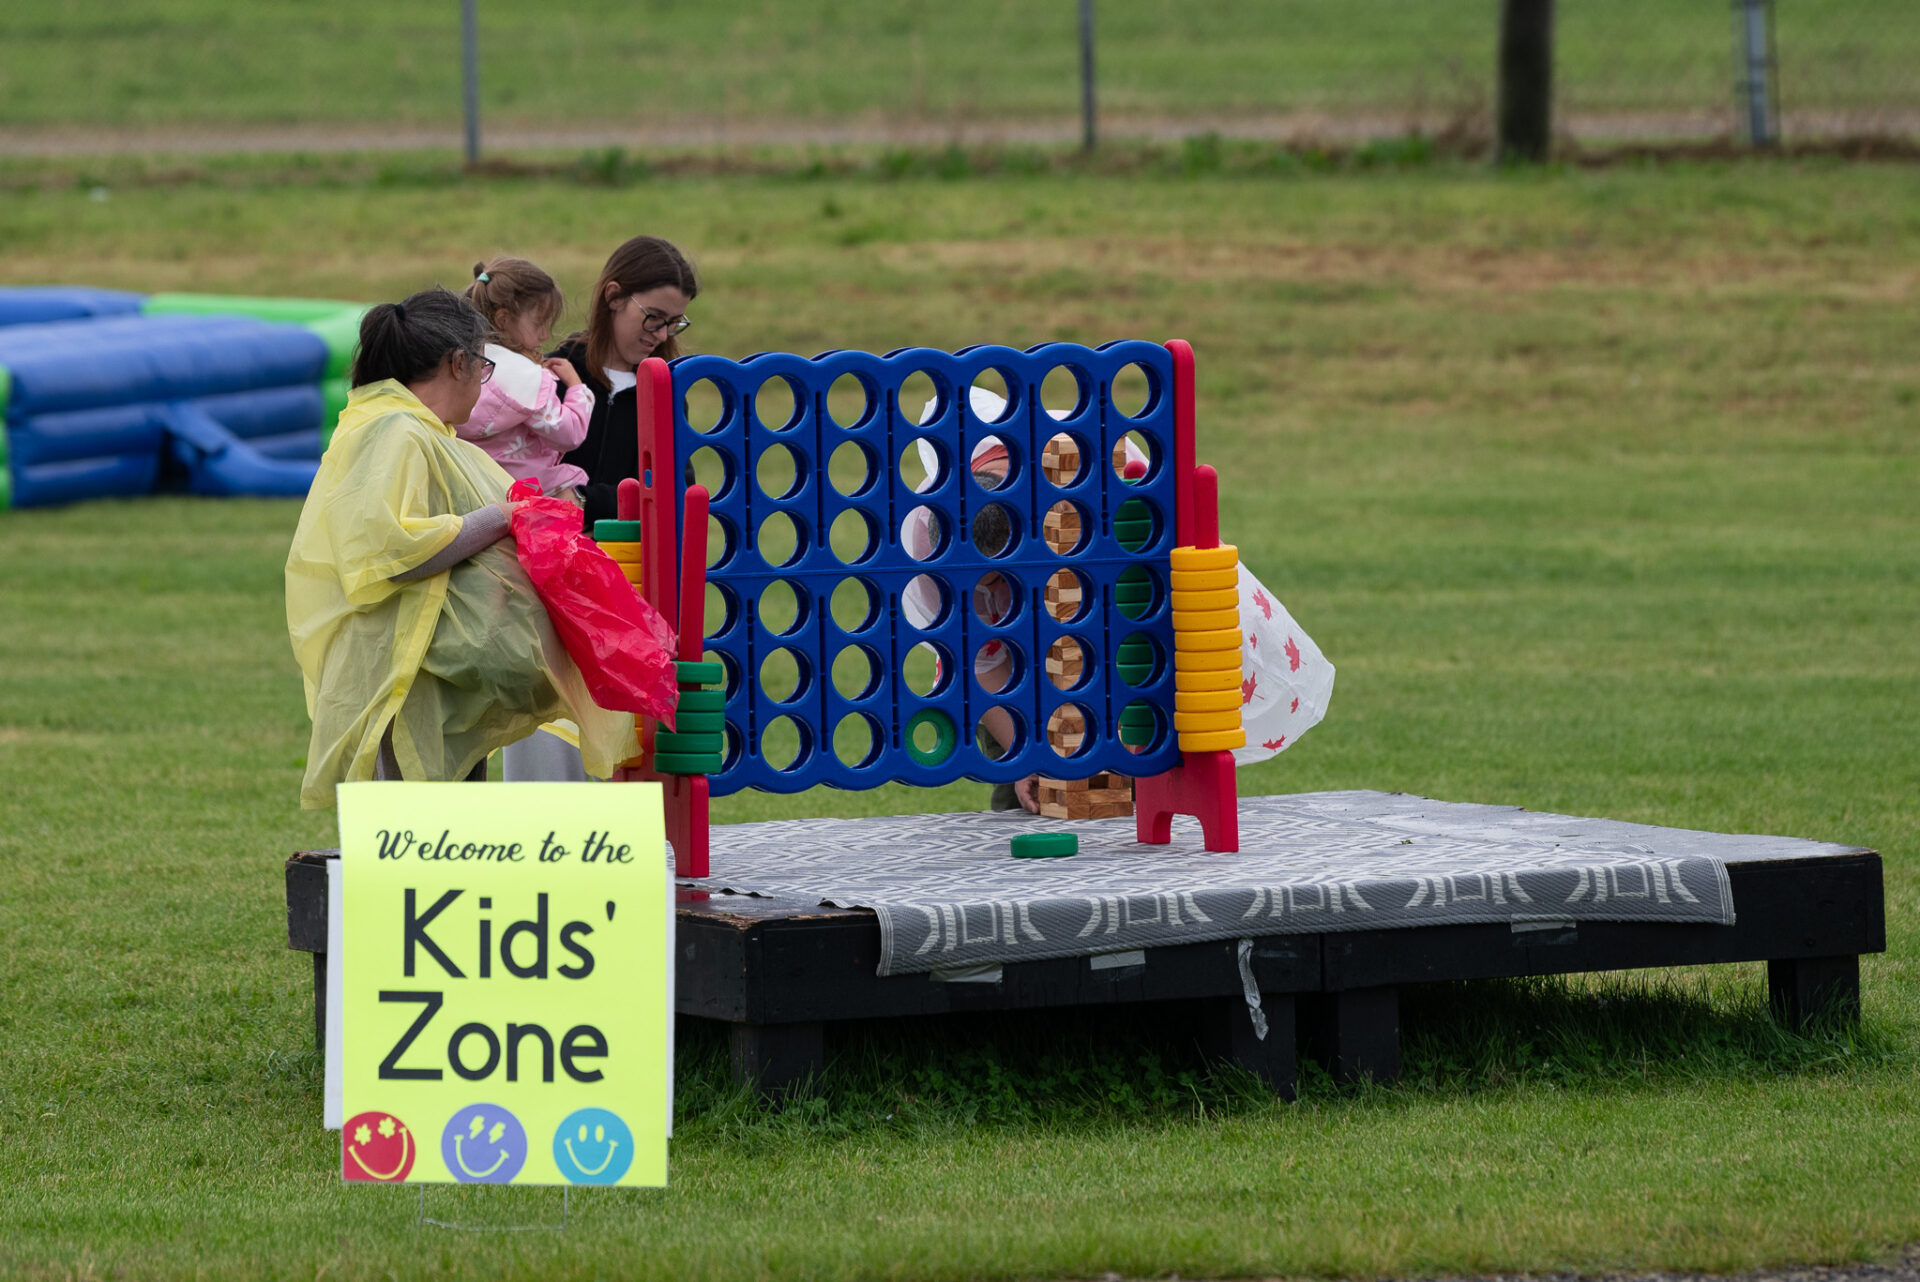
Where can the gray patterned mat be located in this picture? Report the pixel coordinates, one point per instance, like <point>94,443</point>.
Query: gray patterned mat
<point>949,895</point>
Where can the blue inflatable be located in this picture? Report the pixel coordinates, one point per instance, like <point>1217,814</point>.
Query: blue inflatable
<point>38,304</point>
<point>130,404</point>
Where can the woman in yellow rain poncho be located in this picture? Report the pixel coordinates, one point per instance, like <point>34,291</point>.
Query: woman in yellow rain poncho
<point>422,641</point>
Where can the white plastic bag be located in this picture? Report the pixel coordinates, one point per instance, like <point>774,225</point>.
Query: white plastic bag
<point>1285,682</point>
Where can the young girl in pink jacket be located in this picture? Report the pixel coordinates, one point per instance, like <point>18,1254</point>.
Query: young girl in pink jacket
<point>523,420</point>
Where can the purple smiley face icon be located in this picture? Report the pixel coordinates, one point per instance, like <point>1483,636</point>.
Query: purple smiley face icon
<point>484,1144</point>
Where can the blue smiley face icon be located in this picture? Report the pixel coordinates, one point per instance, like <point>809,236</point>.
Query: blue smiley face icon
<point>593,1146</point>
<point>484,1144</point>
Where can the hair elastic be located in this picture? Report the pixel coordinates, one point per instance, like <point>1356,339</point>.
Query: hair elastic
<point>400,312</point>
<point>483,278</point>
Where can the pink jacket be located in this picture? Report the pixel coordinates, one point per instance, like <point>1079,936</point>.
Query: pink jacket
<point>525,426</point>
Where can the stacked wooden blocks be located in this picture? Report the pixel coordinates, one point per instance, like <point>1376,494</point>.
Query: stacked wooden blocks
<point>1105,796</point>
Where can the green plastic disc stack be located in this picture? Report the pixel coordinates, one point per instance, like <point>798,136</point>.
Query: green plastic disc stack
<point>697,745</point>
<point>1136,725</point>
<point>616,531</point>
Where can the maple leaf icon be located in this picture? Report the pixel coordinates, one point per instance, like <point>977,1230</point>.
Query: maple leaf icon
<point>1293,656</point>
<point>1247,688</point>
<point>1295,707</point>
<point>1266,606</point>
<point>1275,744</point>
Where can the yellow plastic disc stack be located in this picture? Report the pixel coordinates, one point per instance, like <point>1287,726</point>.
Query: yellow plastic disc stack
<point>1206,648</point>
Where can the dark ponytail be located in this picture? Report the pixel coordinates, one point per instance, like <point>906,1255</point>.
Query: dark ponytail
<point>406,341</point>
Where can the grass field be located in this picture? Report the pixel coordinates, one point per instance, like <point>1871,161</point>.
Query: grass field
<point>1599,487</point>
<point>360,62</point>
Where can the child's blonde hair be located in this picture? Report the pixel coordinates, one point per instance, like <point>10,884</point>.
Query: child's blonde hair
<point>515,286</point>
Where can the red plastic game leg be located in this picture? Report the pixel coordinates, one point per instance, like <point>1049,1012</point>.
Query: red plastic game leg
<point>1202,785</point>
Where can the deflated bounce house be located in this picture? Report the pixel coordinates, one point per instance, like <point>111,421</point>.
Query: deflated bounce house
<point>105,393</point>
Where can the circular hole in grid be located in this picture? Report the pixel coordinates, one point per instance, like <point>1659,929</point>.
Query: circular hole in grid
<point>923,533</point>
<point>926,668</point>
<point>1139,659</point>
<point>920,399</point>
<point>996,599</point>
<point>850,468</point>
<point>785,744</point>
<point>1136,524</point>
<point>782,608</point>
<point>778,472</point>
<point>722,541</point>
<point>1065,527</point>
<point>1143,727</point>
<point>857,740</point>
<point>1066,596</point>
<point>923,466</point>
<point>709,467</point>
<point>780,540</point>
<point>854,605</point>
<point>1070,730</point>
<point>1063,460</point>
<point>721,612</point>
<point>856,672</point>
<point>1133,457</point>
<point>853,536</point>
<point>991,463</point>
<point>728,666</point>
<point>994,533</point>
<point>736,743</point>
<point>1066,663</point>
<point>997,665</point>
<point>704,405</point>
<point>1136,593</point>
<point>1131,391</point>
<point>1063,392</point>
<point>999,733</point>
<point>783,675</point>
<point>989,398</point>
<point>850,401</point>
<point>925,601</point>
<point>777,403</point>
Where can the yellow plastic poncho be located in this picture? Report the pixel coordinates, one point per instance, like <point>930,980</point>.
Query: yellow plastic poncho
<point>458,663</point>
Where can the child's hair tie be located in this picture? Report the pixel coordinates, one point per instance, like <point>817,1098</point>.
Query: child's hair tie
<point>483,278</point>
<point>400,312</point>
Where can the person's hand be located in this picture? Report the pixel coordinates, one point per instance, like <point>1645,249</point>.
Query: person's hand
<point>1027,793</point>
<point>562,368</point>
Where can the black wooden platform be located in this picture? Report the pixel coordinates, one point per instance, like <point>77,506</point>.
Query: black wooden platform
<point>779,971</point>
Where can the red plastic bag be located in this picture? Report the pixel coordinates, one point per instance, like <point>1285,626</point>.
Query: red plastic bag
<point>621,645</point>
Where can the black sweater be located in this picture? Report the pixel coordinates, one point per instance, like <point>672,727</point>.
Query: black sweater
<point>611,452</point>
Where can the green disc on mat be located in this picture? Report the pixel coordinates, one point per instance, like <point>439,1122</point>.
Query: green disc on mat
<point>688,743</point>
<point>689,722</point>
<point>703,700</point>
<point>616,531</point>
<point>1045,845</point>
<point>699,674</point>
<point>681,763</point>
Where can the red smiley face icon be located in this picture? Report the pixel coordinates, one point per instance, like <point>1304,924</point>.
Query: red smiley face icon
<point>376,1146</point>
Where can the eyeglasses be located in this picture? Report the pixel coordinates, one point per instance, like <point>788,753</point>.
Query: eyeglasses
<point>486,366</point>
<point>660,322</point>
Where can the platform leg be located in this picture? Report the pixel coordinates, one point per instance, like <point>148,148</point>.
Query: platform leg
<point>1355,1035</point>
<point>319,1002</point>
<point>777,1057</point>
<point>1803,990</point>
<point>1230,1036</point>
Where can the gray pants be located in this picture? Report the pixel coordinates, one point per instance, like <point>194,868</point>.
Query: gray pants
<point>542,758</point>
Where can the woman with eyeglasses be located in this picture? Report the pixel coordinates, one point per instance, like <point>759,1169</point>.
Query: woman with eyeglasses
<point>423,644</point>
<point>638,309</point>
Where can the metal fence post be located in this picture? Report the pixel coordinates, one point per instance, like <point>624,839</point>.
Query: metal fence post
<point>1087,131</point>
<point>1757,70</point>
<point>1524,103</point>
<point>470,67</point>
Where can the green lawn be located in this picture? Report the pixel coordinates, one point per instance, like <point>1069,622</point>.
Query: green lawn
<point>1599,487</point>
<point>361,62</point>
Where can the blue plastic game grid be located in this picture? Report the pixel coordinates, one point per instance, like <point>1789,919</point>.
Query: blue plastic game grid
<point>741,573</point>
